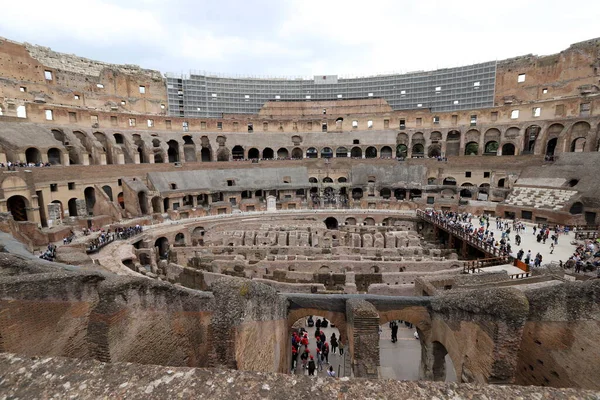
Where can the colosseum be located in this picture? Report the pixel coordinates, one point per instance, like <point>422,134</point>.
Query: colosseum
<point>182,229</point>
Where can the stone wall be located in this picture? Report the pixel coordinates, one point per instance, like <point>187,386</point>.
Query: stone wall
<point>559,345</point>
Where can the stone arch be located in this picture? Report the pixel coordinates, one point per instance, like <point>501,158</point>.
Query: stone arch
<point>449,181</point>
<point>137,140</point>
<point>350,221</point>
<point>530,138</point>
<point>143,202</point>
<point>237,152</point>
<point>341,152</point>
<point>158,158</point>
<point>90,199</point>
<point>223,153</point>
<point>371,152</point>
<point>401,151</point>
<point>189,149</point>
<point>72,206</point>
<point>33,155</point>
<point>439,369</point>
<point>331,223</point>
<point>472,135</point>
<point>179,240</point>
<point>385,193</point>
<point>578,145</point>
<point>312,179</point>
<point>156,204</point>
<point>283,153</point>
<point>205,155</point>
<point>435,136</point>
<point>342,179</point>
<point>54,156</point>
<point>268,153</point>
<point>356,152</point>
<point>103,140</point>
<point>162,243</point>
<point>71,150</point>
<point>357,193</point>
<point>327,179</point>
<point>453,143</point>
<point>492,134</point>
<point>326,152</point>
<point>108,190</point>
<point>369,221</point>
<point>508,149</point>
<point>434,151</point>
<point>418,150</point>
<point>121,200</point>
<point>501,182</point>
<point>472,148</point>
<point>173,151</point>
<point>491,148</point>
<point>386,152</point>
<point>576,208</point>
<point>312,152</point>
<point>253,154</point>
<point>297,153</point>
<point>17,205</point>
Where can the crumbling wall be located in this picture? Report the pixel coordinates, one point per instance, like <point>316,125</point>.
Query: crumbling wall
<point>249,327</point>
<point>481,331</point>
<point>560,339</point>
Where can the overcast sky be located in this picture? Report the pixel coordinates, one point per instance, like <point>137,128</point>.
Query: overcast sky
<point>300,37</point>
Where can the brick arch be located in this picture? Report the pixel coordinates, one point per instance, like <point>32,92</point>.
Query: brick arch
<point>338,318</point>
<point>417,315</point>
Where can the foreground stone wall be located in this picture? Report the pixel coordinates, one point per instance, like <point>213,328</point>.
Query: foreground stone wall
<point>46,310</point>
<point>25,377</point>
<point>560,339</point>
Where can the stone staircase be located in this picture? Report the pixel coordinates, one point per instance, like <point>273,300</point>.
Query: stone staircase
<point>551,199</point>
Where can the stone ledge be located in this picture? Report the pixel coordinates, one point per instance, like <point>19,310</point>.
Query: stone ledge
<point>26,377</point>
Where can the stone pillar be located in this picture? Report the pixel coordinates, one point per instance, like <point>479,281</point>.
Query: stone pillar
<point>363,338</point>
<point>350,284</point>
<point>249,327</point>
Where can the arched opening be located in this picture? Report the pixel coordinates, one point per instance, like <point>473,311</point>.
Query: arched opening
<point>327,180</point>
<point>283,153</point>
<point>415,193</point>
<point>471,149</point>
<point>253,154</point>
<point>356,152</point>
<point>312,179</point>
<point>311,152</point>
<point>173,151</point>
<point>401,151</point>
<point>326,152</point>
<point>449,181</point>
<point>371,152</point>
<point>369,221</point>
<point>531,134</point>
<point>339,122</point>
<point>578,145</point>
<point>350,221</point>
<point>118,138</point>
<point>331,223</point>
<point>400,194</point>
<point>342,179</point>
<point>156,204</point>
<point>54,156</point>
<point>268,153</point>
<point>576,208</point>
<point>223,153</point>
<point>166,204</point>
<point>434,151</point>
<point>205,155</point>
<point>357,193</point>
<point>158,158</point>
<point>90,199</point>
<point>17,206</point>
<point>443,368</point>
<point>491,148</point>
<point>189,149</point>
<point>33,156</point>
<point>179,240</point>
<point>297,153</point>
<point>72,206</point>
<point>101,138</point>
<point>162,245</point>
<point>237,152</point>
<point>466,193</point>
<point>385,193</point>
<point>156,143</point>
<point>551,146</point>
<point>418,150</point>
<point>508,149</point>
<point>108,190</point>
<point>121,200</point>
<point>143,200</point>
<point>572,182</point>
<point>341,152</point>
<point>386,152</point>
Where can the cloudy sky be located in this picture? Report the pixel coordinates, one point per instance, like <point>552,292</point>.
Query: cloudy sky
<point>300,37</point>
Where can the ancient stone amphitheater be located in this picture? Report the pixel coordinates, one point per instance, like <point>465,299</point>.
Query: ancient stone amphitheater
<point>260,205</point>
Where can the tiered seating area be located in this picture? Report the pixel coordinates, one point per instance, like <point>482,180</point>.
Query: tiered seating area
<point>552,199</point>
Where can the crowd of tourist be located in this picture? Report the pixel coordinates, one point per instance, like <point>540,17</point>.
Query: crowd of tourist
<point>108,236</point>
<point>585,258</point>
<point>301,349</point>
<point>12,165</point>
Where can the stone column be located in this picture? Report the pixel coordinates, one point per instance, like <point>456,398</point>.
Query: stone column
<point>363,338</point>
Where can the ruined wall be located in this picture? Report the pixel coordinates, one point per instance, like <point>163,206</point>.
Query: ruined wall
<point>363,337</point>
<point>249,327</point>
<point>481,331</point>
<point>559,346</point>
<point>46,310</point>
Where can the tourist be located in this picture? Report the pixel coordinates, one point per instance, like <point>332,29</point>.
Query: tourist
<point>311,366</point>
<point>325,352</point>
<point>334,343</point>
<point>551,247</point>
<point>341,346</point>
<point>331,372</point>
<point>394,326</point>
<point>319,360</point>
<point>416,335</point>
